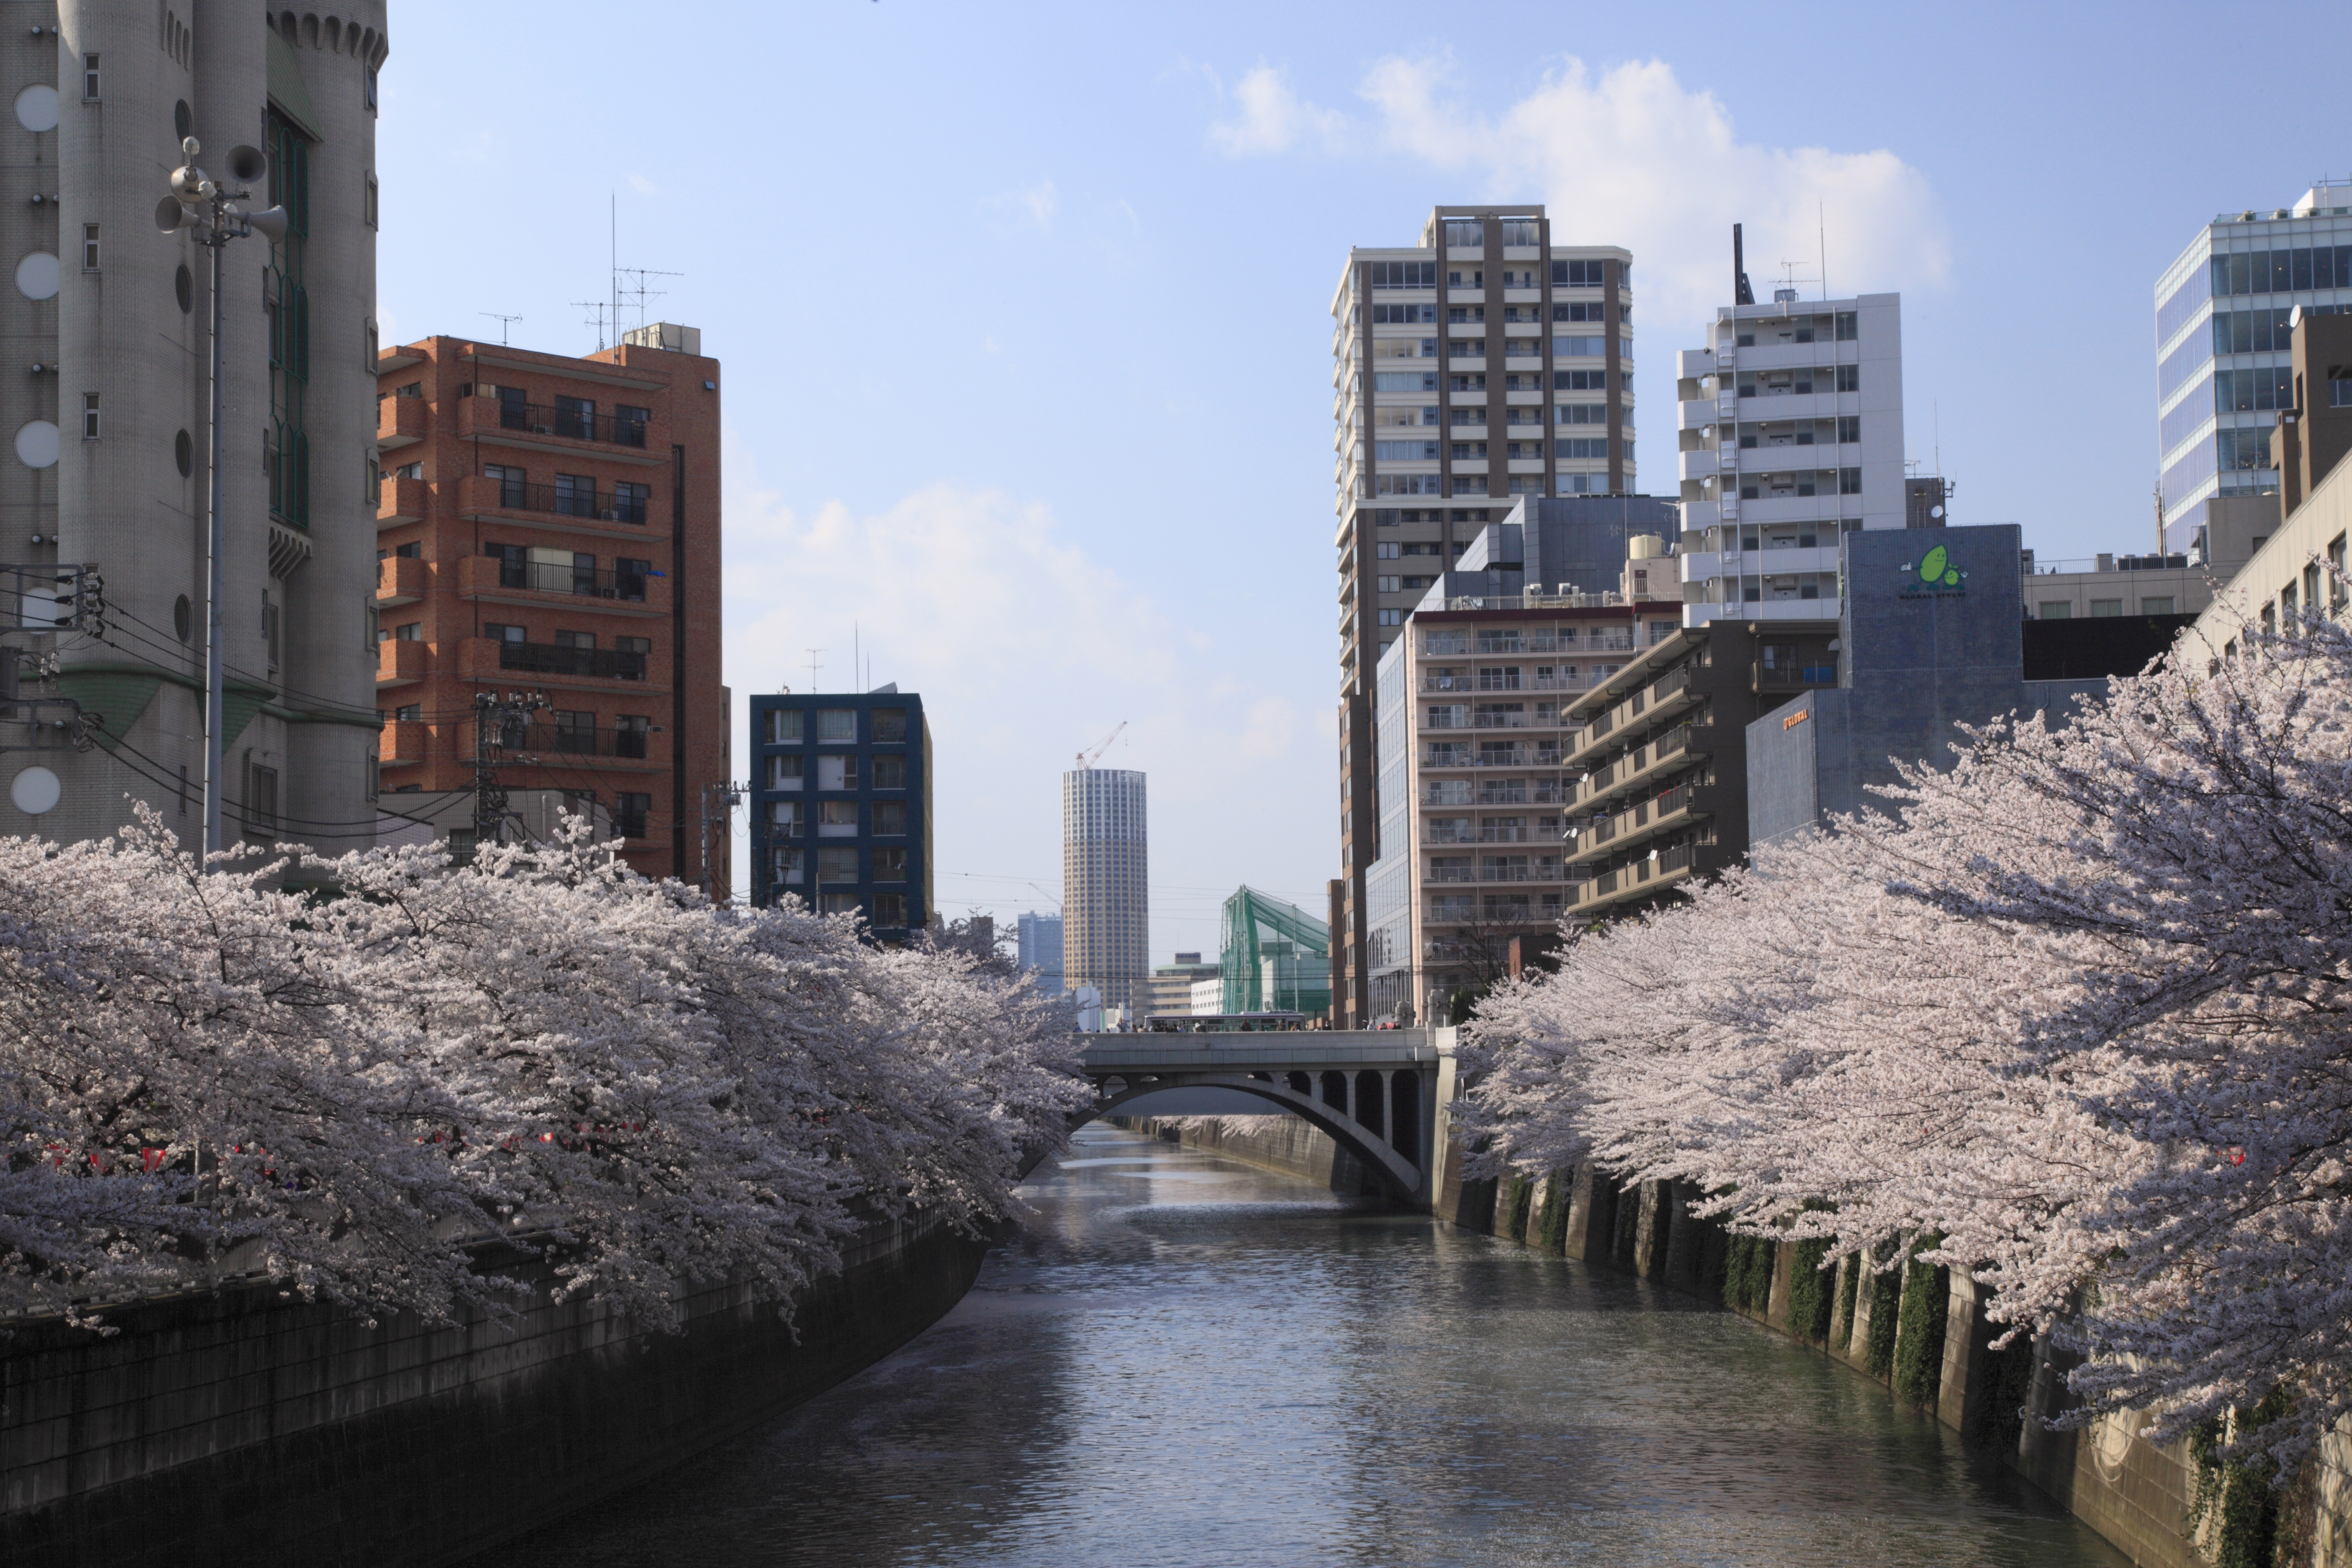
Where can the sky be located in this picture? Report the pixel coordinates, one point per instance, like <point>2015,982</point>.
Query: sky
<point>1024,308</point>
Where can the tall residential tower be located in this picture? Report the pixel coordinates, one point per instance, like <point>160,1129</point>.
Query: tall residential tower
<point>1484,364</point>
<point>1106,885</point>
<point>2222,348</point>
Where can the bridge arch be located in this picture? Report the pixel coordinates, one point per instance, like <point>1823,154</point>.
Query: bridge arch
<point>1400,1176</point>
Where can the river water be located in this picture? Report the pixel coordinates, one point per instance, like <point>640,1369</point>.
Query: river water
<point>1177,1360</point>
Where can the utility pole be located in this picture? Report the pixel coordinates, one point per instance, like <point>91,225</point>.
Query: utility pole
<point>719,803</point>
<point>491,718</point>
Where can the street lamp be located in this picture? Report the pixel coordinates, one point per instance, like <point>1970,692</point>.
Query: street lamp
<point>209,212</point>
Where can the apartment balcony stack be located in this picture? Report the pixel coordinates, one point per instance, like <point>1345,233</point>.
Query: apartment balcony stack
<point>549,525</point>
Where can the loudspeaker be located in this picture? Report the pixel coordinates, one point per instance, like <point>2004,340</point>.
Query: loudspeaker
<point>269,223</point>
<point>171,217</point>
<point>246,163</point>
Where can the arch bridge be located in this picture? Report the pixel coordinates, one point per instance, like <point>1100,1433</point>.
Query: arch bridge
<point>1373,1091</point>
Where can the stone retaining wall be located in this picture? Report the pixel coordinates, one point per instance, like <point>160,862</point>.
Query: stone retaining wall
<point>1289,1144</point>
<point>240,1428</point>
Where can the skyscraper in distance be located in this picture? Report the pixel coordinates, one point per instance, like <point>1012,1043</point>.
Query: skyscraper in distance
<point>1039,941</point>
<point>1106,885</point>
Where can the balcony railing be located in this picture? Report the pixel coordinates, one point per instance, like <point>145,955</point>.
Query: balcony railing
<point>1494,760</point>
<point>551,577</point>
<point>520,740</point>
<point>546,658</point>
<point>538,419</point>
<point>600,506</point>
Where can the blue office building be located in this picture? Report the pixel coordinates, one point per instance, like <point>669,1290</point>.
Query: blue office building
<point>841,814</point>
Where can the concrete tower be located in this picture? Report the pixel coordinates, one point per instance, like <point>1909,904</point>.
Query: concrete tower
<point>107,460</point>
<point>1106,888</point>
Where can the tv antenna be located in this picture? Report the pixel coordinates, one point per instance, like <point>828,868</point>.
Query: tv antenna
<point>637,293</point>
<point>596,318</point>
<point>813,666</point>
<point>503,322</point>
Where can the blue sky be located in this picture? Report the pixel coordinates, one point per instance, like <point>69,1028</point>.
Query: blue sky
<point>1023,307</point>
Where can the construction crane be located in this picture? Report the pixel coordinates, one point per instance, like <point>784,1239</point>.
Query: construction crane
<point>1087,759</point>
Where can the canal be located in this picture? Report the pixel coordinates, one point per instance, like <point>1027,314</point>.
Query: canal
<point>1178,1360</point>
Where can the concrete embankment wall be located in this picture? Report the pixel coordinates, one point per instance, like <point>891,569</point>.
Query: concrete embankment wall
<point>1284,1144</point>
<point>241,1428</point>
<point>2138,1496</point>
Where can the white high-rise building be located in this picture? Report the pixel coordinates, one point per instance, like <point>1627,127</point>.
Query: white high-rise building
<point>105,413</point>
<point>2223,310</point>
<point>1106,885</point>
<point>1791,430</point>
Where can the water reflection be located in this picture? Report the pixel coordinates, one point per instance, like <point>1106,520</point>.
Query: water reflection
<point>1184,1361</point>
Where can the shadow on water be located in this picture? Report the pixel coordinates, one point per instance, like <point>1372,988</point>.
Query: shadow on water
<point>1182,1360</point>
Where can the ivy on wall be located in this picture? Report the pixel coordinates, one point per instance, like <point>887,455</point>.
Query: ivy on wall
<point>2008,1386</point>
<point>1748,1273</point>
<point>1885,1293</point>
<point>1558,1193</point>
<point>1849,1279</point>
<point>2235,1500</point>
<point>1919,1337</point>
<point>1515,1203</point>
<point>1810,1289</point>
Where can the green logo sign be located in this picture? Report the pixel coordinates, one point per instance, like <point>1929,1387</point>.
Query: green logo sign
<point>1937,575</point>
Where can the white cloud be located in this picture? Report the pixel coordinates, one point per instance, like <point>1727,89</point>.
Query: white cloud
<point>1274,119</point>
<point>1025,650</point>
<point>1631,156</point>
<point>642,186</point>
<point>1043,202</point>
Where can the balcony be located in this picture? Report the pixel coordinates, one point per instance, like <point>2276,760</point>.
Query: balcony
<point>583,663</point>
<point>1763,677</point>
<point>1682,744</point>
<point>1669,694</point>
<point>525,582</point>
<point>586,509</point>
<point>480,416</point>
<point>1640,879</point>
<point>405,741</point>
<point>401,501</point>
<point>402,422</point>
<point>525,743</point>
<point>1675,809</point>
<point>401,580</point>
<point>402,661</point>
<point>1511,759</point>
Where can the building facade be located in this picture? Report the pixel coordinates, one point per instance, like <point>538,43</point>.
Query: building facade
<point>1791,430</point>
<point>1476,733</point>
<point>548,527</point>
<point>1037,940</point>
<point>2223,320</point>
<point>841,806</point>
<point>1486,362</point>
<point>108,327</point>
<point>1174,985</point>
<point>1107,885</point>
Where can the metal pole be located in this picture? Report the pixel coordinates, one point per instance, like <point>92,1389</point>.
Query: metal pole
<point>214,702</point>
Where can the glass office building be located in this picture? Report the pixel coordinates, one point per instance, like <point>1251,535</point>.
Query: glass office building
<point>841,812</point>
<point>2222,312</point>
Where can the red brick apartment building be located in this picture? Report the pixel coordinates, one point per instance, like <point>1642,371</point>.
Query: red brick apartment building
<point>550,526</point>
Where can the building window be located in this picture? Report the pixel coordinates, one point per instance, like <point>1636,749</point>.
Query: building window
<point>629,501</point>
<point>837,771</point>
<point>367,201</point>
<point>1848,327</point>
<point>575,495</point>
<point>1849,378</point>
<point>784,866</point>
<point>513,482</point>
<point>629,733</point>
<point>1849,428</point>
<point>635,657</point>
<point>889,816</point>
<point>837,724</point>
<point>89,247</point>
<point>1849,482</point>
<point>1391,618</point>
<point>889,723</point>
<point>889,773</point>
<point>784,772</point>
<point>2339,393</point>
<point>373,483</point>
<point>90,79</point>
<point>2057,610</point>
<point>2106,607</point>
<point>630,810</point>
<point>835,817</point>
<point>785,727</point>
<point>261,799</point>
<point>2156,606</point>
<point>269,627</point>
<point>492,630</point>
<point>415,632</point>
<point>890,865</point>
<point>370,91</point>
<point>890,910</point>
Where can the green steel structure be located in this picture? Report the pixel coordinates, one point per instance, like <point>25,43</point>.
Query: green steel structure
<point>1276,957</point>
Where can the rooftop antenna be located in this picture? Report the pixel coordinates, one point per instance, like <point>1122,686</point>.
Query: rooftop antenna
<point>595,319</point>
<point>639,293</point>
<point>2159,488</point>
<point>813,666</point>
<point>1822,235</point>
<point>1935,417</point>
<point>613,198</point>
<point>856,659</point>
<point>503,322</point>
<point>1740,292</point>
